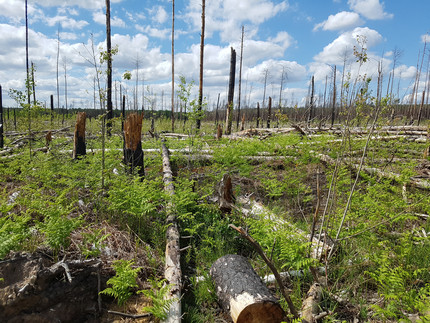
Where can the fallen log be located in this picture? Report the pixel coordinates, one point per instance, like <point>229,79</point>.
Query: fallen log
<point>414,182</point>
<point>310,306</point>
<point>172,269</point>
<point>242,293</point>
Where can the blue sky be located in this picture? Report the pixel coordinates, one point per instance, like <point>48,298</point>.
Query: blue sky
<point>304,38</point>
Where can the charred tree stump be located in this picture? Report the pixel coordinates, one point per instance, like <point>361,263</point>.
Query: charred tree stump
<point>133,153</point>
<point>225,192</point>
<point>219,132</point>
<point>242,293</point>
<point>79,146</point>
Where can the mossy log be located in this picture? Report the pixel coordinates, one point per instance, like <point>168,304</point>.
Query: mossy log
<point>242,293</point>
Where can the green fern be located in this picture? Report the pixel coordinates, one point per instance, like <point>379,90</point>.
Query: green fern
<point>123,281</point>
<point>158,292</point>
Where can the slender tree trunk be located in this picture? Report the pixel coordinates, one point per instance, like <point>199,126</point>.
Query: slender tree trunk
<point>109,70</point>
<point>173,66</point>
<point>269,115</point>
<point>65,84</point>
<point>1,119</point>
<point>79,147</point>
<point>33,83</point>
<point>202,46</point>
<point>333,109</point>
<point>229,117</point>
<point>58,59</point>
<point>311,103</point>
<point>26,54</point>
<point>240,78</point>
<point>258,114</point>
<point>52,108</point>
<point>216,111</point>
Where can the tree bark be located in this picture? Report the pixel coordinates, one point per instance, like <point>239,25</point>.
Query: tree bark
<point>240,79</point>
<point>79,146</point>
<point>202,47</point>
<point>242,292</point>
<point>269,115</point>
<point>172,270</point>
<point>133,154</point>
<point>229,117</point>
<point>310,306</point>
<point>173,66</point>
<point>109,70</point>
<point>1,120</point>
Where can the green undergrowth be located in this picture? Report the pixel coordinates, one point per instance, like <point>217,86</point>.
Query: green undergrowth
<point>380,264</point>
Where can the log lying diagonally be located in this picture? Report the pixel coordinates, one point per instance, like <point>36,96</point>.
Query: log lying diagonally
<point>172,271</point>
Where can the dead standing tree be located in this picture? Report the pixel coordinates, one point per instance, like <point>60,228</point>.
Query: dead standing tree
<point>109,70</point>
<point>133,153</point>
<point>79,146</point>
<point>229,117</point>
<point>202,47</point>
<point>173,66</point>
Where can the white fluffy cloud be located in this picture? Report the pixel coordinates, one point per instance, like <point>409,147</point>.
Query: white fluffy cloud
<point>370,9</point>
<point>342,46</point>
<point>100,18</point>
<point>226,16</point>
<point>340,21</point>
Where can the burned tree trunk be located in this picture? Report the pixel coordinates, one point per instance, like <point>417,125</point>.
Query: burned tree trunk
<point>133,154</point>
<point>258,114</point>
<point>219,132</point>
<point>79,147</point>
<point>229,118</point>
<point>242,293</point>
<point>225,191</point>
<point>269,115</point>
<point>1,120</point>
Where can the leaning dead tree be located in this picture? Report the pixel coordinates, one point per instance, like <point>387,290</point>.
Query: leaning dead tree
<point>79,146</point>
<point>133,154</point>
<point>242,293</point>
<point>172,270</point>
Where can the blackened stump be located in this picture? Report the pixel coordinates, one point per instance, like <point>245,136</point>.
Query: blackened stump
<point>79,147</point>
<point>133,153</point>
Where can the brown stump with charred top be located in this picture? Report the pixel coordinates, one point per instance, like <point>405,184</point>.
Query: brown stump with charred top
<point>225,192</point>
<point>133,153</point>
<point>242,293</point>
<point>79,146</point>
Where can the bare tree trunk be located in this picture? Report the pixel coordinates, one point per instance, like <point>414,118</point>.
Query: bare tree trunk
<point>216,111</point>
<point>33,83</point>
<point>240,78</point>
<point>172,269</point>
<point>58,58</point>
<point>258,114</point>
<point>1,119</point>
<point>52,108</point>
<point>229,117</point>
<point>421,108</point>
<point>173,66</point>
<point>311,103</point>
<point>333,109</point>
<point>269,115</point>
<point>26,55</point>
<point>202,46</point>
<point>109,70</point>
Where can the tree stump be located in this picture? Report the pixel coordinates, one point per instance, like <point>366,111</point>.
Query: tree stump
<point>225,192</point>
<point>133,153</point>
<point>242,293</point>
<point>79,146</point>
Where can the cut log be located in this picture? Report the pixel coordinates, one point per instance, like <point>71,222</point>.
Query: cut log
<point>242,293</point>
<point>310,306</point>
<point>133,154</point>
<point>79,146</point>
<point>172,270</point>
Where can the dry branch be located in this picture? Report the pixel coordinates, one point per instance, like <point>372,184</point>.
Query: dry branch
<point>310,306</point>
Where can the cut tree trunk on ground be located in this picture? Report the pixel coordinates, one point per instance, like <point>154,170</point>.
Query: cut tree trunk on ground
<point>310,306</point>
<point>172,270</point>
<point>79,146</point>
<point>133,154</point>
<point>242,293</point>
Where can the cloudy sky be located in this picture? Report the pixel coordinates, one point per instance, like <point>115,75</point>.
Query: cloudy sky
<point>303,38</point>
